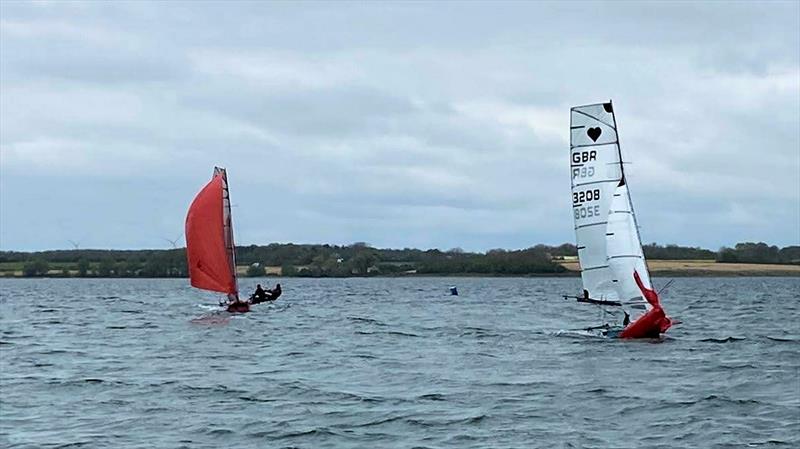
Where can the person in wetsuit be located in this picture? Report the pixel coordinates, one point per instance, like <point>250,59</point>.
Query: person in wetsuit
<point>265,295</point>
<point>627,320</point>
<point>275,292</point>
<point>259,295</point>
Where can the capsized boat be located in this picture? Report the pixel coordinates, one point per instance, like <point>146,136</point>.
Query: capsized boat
<point>210,250</point>
<point>613,268</point>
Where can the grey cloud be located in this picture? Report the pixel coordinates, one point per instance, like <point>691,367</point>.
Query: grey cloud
<point>395,123</point>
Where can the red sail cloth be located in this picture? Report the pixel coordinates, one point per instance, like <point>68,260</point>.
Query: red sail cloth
<point>209,265</point>
<point>651,324</point>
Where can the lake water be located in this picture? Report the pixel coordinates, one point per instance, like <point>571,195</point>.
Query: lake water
<point>393,363</point>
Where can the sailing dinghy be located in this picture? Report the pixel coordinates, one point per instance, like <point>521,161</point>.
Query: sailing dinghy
<point>613,268</point>
<point>209,242</point>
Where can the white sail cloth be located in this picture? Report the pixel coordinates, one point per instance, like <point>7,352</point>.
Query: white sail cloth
<point>609,247</point>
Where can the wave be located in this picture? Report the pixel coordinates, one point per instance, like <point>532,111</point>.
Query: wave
<point>520,384</point>
<point>716,398</point>
<point>89,381</point>
<point>782,339</point>
<point>75,444</point>
<point>769,443</point>
<point>304,389</point>
<point>398,333</point>
<point>383,421</point>
<point>213,389</point>
<point>478,332</point>
<point>252,399</point>
<point>597,390</point>
<point>432,397</point>
<point>448,422</point>
<point>211,320</point>
<point>722,340</point>
<point>359,319</point>
<point>320,431</point>
<point>736,366</point>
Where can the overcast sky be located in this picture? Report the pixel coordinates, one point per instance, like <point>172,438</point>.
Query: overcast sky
<point>399,124</point>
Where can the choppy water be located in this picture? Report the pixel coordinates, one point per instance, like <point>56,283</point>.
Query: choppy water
<point>384,363</point>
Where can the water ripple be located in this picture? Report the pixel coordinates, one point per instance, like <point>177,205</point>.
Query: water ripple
<point>361,363</point>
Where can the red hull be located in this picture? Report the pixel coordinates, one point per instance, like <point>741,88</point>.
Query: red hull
<point>238,307</point>
<point>650,325</point>
<point>653,323</point>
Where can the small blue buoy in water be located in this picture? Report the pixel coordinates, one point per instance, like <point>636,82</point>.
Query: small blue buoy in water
<point>453,291</point>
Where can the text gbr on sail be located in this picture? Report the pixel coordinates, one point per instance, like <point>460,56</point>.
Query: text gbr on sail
<point>578,159</point>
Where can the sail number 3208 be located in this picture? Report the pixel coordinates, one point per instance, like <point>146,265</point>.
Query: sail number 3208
<point>579,198</point>
<point>584,196</point>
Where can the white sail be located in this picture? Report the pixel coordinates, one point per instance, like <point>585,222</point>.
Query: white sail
<point>609,247</point>
<point>625,249</point>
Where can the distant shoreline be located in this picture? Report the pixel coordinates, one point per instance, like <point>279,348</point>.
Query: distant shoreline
<point>658,268</point>
<point>708,268</point>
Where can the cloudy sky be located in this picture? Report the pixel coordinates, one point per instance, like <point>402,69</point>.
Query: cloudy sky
<point>399,124</point>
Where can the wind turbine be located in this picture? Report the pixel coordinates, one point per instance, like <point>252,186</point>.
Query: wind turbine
<point>75,245</point>
<point>175,241</point>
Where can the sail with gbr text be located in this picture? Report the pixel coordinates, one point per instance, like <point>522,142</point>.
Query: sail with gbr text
<point>609,247</point>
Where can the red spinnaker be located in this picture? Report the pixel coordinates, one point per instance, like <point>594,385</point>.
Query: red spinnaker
<point>651,324</point>
<point>209,263</point>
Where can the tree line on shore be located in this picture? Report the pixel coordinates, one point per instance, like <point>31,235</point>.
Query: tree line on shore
<point>358,259</point>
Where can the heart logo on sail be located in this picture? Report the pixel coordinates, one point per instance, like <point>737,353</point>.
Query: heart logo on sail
<point>594,133</point>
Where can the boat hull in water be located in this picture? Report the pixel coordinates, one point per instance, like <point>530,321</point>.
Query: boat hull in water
<point>238,307</point>
<point>654,322</point>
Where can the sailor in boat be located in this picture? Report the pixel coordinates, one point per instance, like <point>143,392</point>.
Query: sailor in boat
<point>275,292</point>
<point>261,295</point>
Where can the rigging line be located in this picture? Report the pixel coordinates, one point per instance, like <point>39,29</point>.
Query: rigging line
<point>666,285</point>
<point>593,117</point>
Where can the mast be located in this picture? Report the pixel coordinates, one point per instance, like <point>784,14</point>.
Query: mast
<point>625,181</point>
<point>230,247</point>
